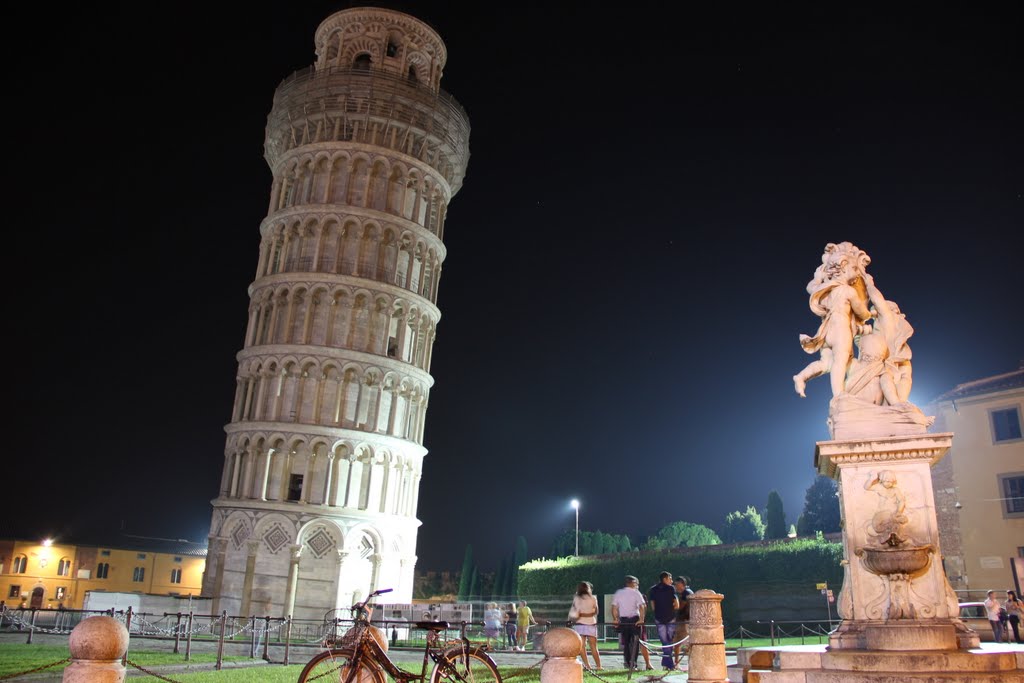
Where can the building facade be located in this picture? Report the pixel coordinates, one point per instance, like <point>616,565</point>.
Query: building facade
<point>324,451</point>
<point>50,575</point>
<point>979,485</point>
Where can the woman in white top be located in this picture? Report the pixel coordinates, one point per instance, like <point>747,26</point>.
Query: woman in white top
<point>584,611</point>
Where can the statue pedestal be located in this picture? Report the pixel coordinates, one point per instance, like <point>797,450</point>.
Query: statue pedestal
<point>895,595</point>
<point>900,615</point>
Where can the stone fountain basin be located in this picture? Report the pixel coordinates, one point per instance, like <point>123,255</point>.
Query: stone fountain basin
<point>888,561</point>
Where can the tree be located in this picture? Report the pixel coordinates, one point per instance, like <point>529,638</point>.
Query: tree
<point>591,543</point>
<point>821,508</point>
<point>466,577</point>
<point>518,560</point>
<point>743,526</point>
<point>474,586</point>
<point>500,579</point>
<point>775,517</point>
<point>681,534</point>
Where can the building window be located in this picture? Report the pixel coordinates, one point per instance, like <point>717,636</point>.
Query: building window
<point>20,565</point>
<point>295,487</point>
<point>139,574</point>
<point>1005,424</point>
<point>1012,488</point>
<point>363,61</point>
<point>64,567</point>
<point>140,556</point>
<point>177,558</point>
<point>102,569</point>
<point>175,576</point>
<point>15,592</point>
<point>104,553</point>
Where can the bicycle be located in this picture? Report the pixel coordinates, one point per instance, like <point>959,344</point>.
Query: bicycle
<point>358,657</point>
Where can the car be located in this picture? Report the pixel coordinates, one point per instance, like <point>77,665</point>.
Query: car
<point>974,615</point>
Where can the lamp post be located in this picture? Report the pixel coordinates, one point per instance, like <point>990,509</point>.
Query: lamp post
<point>576,506</point>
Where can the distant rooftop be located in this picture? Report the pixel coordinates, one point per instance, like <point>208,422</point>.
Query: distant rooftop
<point>986,385</point>
<point>169,546</point>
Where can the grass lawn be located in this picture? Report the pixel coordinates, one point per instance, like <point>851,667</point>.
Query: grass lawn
<point>17,657</point>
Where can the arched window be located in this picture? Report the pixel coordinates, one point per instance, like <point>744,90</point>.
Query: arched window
<point>363,61</point>
<point>412,74</point>
<point>20,564</point>
<point>64,567</point>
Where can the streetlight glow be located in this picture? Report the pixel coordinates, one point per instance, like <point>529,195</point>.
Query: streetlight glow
<point>576,506</point>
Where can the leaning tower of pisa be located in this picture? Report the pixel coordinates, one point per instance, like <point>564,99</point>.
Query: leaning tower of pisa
<point>324,453</point>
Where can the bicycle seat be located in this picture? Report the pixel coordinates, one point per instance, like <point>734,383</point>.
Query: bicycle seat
<point>432,625</point>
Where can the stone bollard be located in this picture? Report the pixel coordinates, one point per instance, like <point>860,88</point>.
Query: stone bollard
<point>562,646</point>
<point>97,646</point>
<point>707,638</point>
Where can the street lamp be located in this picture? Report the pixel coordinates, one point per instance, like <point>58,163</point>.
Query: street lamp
<point>576,506</point>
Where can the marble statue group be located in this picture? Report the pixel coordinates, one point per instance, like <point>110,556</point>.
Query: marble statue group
<point>862,347</point>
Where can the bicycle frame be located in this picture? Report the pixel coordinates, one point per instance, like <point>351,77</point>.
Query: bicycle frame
<point>369,653</point>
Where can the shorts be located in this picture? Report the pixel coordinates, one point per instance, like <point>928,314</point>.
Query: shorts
<point>586,630</point>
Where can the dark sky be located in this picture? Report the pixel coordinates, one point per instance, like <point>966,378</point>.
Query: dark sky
<point>649,191</point>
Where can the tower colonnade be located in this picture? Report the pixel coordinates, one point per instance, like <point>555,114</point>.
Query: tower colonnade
<point>324,453</point>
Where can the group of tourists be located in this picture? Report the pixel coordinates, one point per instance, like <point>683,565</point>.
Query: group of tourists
<point>513,622</point>
<point>1005,616</point>
<point>667,601</point>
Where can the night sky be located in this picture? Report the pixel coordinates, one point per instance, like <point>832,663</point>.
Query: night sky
<point>648,194</point>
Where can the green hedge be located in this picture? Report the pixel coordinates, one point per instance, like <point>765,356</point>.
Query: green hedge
<point>743,573</point>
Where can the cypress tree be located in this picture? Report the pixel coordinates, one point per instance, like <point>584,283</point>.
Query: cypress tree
<point>775,522</point>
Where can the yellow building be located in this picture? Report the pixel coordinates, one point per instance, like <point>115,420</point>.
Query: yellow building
<point>49,574</point>
<point>979,485</point>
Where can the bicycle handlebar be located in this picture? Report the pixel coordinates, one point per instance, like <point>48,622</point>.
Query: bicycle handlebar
<point>359,606</point>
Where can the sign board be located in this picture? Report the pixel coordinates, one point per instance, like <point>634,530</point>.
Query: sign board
<point>821,586</point>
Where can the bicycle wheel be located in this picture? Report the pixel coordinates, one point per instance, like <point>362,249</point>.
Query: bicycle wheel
<point>474,666</point>
<point>335,666</point>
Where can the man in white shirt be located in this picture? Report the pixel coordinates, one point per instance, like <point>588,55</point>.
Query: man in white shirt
<point>992,607</point>
<point>628,610</point>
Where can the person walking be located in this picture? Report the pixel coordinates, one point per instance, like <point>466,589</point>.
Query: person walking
<point>628,611</point>
<point>665,605</point>
<point>683,592</point>
<point>524,619</point>
<point>992,608</point>
<point>1014,613</point>
<point>584,612</point>
<point>510,618</point>
<point>492,623</point>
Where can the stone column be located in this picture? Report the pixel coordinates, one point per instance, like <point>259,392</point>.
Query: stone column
<point>562,647</point>
<point>250,572</point>
<point>218,549</point>
<point>293,581</point>
<point>707,638</point>
<point>97,644</point>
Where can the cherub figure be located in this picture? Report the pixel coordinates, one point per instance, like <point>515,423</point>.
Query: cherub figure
<point>890,517</point>
<point>882,370</point>
<point>837,295</point>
